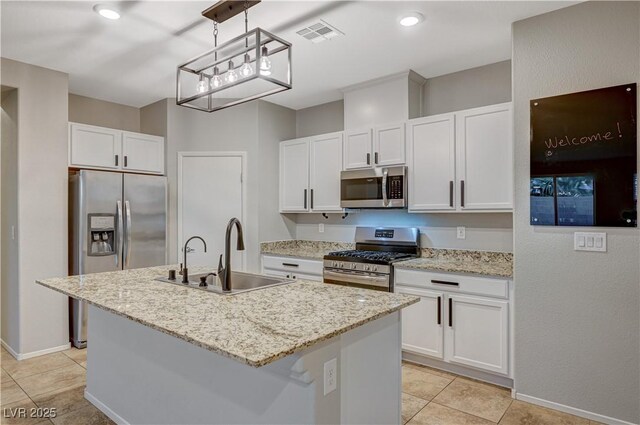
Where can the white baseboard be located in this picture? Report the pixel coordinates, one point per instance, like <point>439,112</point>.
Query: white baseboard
<point>105,409</point>
<point>571,410</point>
<point>24,356</point>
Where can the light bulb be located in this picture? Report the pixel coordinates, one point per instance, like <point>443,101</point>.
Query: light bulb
<point>216,81</point>
<point>265,63</point>
<point>202,85</point>
<point>232,75</point>
<point>246,69</point>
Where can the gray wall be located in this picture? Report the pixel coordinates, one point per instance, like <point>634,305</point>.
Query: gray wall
<point>320,119</point>
<point>9,267</point>
<point>480,86</point>
<point>577,314</point>
<point>484,85</point>
<point>42,202</point>
<point>87,110</point>
<point>256,128</point>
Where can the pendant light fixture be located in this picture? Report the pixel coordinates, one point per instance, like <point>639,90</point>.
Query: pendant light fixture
<point>211,81</point>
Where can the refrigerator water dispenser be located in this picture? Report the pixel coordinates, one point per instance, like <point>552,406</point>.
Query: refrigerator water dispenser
<point>102,229</point>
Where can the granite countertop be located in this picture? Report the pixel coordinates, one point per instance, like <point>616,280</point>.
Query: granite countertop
<point>314,250</point>
<point>485,263</point>
<point>256,327</point>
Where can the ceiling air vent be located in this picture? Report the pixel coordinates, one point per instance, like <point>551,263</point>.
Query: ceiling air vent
<point>320,31</point>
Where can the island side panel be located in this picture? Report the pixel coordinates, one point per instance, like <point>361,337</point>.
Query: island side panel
<point>136,374</point>
<point>371,373</point>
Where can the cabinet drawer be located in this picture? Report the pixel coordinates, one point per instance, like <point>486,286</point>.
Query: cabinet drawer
<point>294,265</point>
<point>490,287</point>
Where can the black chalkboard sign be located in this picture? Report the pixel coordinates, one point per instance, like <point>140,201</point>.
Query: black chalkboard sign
<point>584,158</point>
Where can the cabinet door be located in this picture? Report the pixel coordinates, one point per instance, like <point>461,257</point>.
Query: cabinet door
<point>431,160</point>
<point>294,176</point>
<point>485,158</point>
<point>357,149</point>
<point>389,145</point>
<point>422,322</point>
<point>143,152</point>
<point>324,177</point>
<point>477,333</point>
<point>91,146</point>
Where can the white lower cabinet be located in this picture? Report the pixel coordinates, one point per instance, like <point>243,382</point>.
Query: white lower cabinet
<point>292,267</point>
<point>422,323</point>
<point>477,333</point>
<point>454,327</point>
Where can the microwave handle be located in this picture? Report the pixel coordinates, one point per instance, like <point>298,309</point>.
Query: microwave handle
<point>385,199</point>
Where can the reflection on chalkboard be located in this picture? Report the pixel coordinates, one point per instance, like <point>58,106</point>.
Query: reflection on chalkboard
<point>583,143</point>
<point>543,208</point>
<point>575,201</point>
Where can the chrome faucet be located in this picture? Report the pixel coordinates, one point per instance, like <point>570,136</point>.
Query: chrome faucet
<point>224,273</point>
<point>185,251</point>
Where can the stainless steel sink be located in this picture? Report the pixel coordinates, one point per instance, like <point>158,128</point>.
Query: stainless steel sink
<point>240,282</point>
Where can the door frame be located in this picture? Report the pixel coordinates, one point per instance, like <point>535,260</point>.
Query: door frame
<point>243,185</point>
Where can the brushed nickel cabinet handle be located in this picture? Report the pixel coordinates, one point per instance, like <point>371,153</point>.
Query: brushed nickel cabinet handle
<point>368,159</point>
<point>116,160</point>
<point>375,157</point>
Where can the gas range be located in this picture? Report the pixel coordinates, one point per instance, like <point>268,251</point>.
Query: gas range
<point>370,265</point>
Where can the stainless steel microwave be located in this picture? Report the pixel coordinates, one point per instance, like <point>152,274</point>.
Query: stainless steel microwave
<point>380,187</point>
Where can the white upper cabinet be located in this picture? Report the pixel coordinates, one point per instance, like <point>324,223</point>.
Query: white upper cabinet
<point>381,146</point>
<point>431,160</point>
<point>389,145</point>
<point>358,145</point>
<point>142,152</point>
<point>294,176</point>
<point>105,148</point>
<point>461,161</point>
<point>91,146</point>
<point>485,159</point>
<point>325,167</point>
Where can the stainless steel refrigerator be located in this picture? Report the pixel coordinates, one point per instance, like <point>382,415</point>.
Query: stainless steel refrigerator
<point>116,222</point>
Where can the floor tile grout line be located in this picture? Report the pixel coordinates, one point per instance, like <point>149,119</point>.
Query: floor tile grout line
<point>505,412</point>
<point>416,414</point>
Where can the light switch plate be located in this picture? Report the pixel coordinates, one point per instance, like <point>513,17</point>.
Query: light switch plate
<point>461,232</point>
<point>590,241</point>
<point>321,228</point>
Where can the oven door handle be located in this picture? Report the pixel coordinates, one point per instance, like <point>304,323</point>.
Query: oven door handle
<point>378,281</point>
<point>385,199</point>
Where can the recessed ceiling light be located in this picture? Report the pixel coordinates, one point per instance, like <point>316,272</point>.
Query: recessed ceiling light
<point>106,11</point>
<point>411,19</point>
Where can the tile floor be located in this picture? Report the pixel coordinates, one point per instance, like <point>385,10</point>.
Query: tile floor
<point>434,397</point>
<point>429,397</point>
<point>52,381</point>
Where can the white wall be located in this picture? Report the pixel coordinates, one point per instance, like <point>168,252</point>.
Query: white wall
<point>480,86</point>
<point>42,206</point>
<point>577,313</point>
<point>256,128</point>
<point>485,232</point>
<point>87,110</point>
<point>9,206</point>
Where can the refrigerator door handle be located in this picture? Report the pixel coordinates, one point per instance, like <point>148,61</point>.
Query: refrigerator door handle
<point>127,212</point>
<point>120,225</point>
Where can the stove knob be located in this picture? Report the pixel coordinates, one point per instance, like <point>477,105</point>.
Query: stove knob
<point>375,268</point>
<point>367,268</point>
<point>341,264</point>
<point>354,266</point>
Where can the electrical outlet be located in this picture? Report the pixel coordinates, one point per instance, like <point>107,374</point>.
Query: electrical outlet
<point>462,232</point>
<point>330,375</point>
<point>321,228</point>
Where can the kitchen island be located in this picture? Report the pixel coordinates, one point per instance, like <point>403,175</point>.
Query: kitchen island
<point>164,353</point>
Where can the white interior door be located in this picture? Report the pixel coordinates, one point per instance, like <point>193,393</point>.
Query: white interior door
<point>211,191</point>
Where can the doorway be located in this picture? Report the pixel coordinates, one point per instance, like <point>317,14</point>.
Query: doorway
<point>211,190</point>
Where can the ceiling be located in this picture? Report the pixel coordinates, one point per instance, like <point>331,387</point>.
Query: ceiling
<point>133,60</point>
